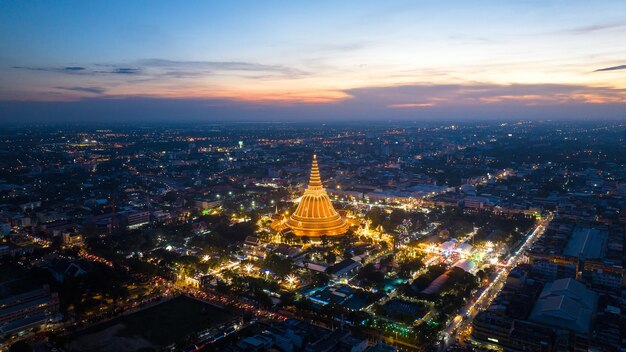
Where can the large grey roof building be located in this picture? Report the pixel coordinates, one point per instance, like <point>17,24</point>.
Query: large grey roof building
<point>565,304</point>
<point>587,242</point>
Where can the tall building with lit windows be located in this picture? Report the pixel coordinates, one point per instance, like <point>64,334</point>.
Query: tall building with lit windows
<point>315,215</point>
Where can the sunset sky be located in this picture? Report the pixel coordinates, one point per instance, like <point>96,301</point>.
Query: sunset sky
<point>306,59</point>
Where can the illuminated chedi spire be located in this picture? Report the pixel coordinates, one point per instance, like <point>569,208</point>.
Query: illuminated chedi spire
<point>315,215</point>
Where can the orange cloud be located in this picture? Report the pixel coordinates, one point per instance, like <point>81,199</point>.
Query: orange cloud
<point>411,105</point>
<point>442,95</point>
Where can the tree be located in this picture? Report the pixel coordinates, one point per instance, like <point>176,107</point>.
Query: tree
<point>278,265</point>
<point>304,304</point>
<point>481,275</point>
<point>395,219</point>
<point>371,276</point>
<point>170,196</point>
<point>377,216</point>
<point>330,257</point>
<point>287,298</point>
<point>262,298</point>
<point>321,279</point>
<point>332,310</point>
<point>426,333</point>
<point>237,232</point>
<point>409,267</point>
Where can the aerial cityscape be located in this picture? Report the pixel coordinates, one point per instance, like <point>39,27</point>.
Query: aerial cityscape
<point>312,177</point>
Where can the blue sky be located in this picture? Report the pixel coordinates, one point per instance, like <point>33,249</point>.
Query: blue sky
<point>345,59</point>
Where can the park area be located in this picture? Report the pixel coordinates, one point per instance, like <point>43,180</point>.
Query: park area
<point>166,324</point>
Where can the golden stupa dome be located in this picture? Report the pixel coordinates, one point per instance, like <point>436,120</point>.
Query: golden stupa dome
<point>315,215</point>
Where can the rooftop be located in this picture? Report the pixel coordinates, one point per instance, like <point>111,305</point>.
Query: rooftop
<point>565,304</point>
<point>587,242</point>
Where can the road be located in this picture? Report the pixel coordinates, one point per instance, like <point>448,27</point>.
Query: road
<point>459,327</point>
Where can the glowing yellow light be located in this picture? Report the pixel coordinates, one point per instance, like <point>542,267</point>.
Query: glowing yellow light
<point>315,215</point>
<point>248,268</point>
<point>291,280</point>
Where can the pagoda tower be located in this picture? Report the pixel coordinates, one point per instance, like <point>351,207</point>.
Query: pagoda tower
<point>315,215</point>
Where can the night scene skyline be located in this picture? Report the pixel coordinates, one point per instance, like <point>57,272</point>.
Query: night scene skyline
<point>301,61</point>
<point>312,176</point>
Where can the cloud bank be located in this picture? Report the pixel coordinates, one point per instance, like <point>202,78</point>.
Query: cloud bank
<point>155,68</point>
<point>92,90</point>
<point>412,102</point>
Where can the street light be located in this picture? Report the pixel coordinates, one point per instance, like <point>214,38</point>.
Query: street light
<point>291,280</point>
<point>248,267</point>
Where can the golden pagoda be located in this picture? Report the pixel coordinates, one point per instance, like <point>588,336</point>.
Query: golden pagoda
<point>315,215</point>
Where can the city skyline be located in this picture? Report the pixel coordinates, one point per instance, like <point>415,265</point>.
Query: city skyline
<point>456,237</point>
<point>144,61</point>
<point>308,176</point>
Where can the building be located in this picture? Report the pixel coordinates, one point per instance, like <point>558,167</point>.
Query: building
<point>294,335</point>
<point>5,228</point>
<point>565,304</point>
<point>338,340</point>
<point>404,310</point>
<point>315,215</point>
<point>4,250</point>
<point>137,219</point>
<point>62,268</point>
<point>601,275</point>
<point>476,203</point>
<point>552,267</point>
<point>71,239</point>
<point>344,295</point>
<point>252,248</point>
<point>586,243</point>
<point>436,285</point>
<point>381,347</point>
<point>511,334</point>
<point>343,268</point>
<point>560,318</point>
<point>205,204</point>
<point>587,252</point>
<point>28,310</point>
